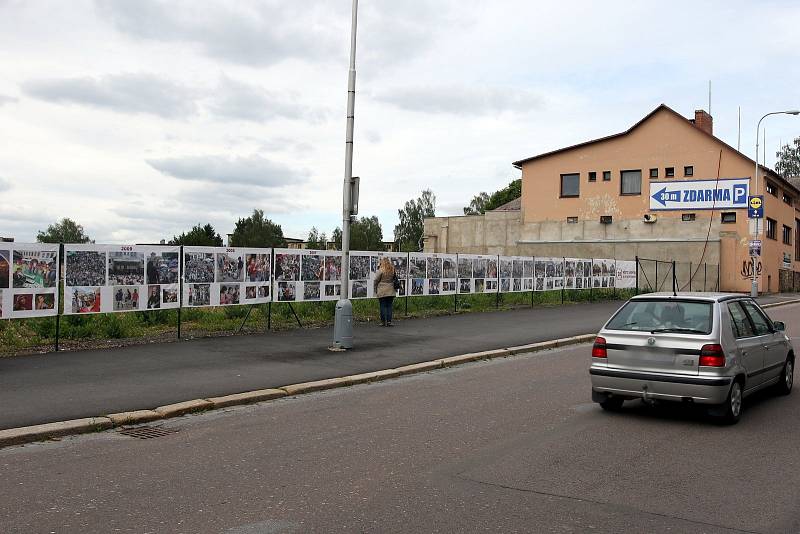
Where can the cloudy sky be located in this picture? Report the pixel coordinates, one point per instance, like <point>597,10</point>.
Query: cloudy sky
<point>139,119</point>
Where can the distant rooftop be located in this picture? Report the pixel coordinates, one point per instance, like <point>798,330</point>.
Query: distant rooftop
<point>514,205</point>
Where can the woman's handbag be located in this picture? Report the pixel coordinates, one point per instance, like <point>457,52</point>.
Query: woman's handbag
<point>396,282</point>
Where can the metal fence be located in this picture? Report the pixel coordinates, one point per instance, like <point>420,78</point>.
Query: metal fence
<point>658,275</point>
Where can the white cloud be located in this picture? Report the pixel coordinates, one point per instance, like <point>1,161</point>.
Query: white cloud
<point>463,100</point>
<point>242,101</point>
<point>128,93</point>
<point>252,170</point>
<point>5,185</point>
<point>258,34</point>
<point>7,100</point>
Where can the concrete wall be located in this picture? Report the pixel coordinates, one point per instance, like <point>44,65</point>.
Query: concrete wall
<point>505,233</point>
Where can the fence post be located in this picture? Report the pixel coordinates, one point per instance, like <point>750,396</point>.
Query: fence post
<point>690,277</point>
<point>455,302</point>
<point>269,315</point>
<point>59,308</point>
<point>636,291</point>
<point>534,281</point>
<point>674,279</point>
<point>406,299</point>
<point>705,274</point>
<point>718,277</point>
<point>180,289</point>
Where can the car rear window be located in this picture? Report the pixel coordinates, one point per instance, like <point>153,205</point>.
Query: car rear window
<point>667,315</point>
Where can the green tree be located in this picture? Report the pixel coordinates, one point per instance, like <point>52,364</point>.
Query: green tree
<point>257,231</point>
<point>64,231</point>
<point>198,236</point>
<point>316,240</point>
<point>408,231</point>
<point>504,196</point>
<point>478,204</point>
<point>366,233</point>
<point>788,163</point>
<point>336,237</point>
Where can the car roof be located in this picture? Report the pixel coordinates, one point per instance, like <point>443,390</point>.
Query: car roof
<point>692,295</point>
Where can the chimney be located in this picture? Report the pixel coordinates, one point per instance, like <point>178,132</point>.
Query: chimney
<point>704,121</point>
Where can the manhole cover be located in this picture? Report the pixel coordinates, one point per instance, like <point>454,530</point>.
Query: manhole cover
<point>146,432</point>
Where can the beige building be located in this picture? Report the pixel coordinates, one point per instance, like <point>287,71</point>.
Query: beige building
<point>665,189</point>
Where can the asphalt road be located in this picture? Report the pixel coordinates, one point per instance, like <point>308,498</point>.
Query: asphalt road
<point>511,445</point>
<point>59,386</point>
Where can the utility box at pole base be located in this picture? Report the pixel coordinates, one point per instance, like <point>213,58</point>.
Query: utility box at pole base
<point>343,325</point>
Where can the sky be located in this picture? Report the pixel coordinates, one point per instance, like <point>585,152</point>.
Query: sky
<point>139,119</point>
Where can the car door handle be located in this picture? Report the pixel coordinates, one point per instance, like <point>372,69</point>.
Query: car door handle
<point>744,353</point>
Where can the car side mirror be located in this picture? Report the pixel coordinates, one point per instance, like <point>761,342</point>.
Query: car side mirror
<point>780,326</point>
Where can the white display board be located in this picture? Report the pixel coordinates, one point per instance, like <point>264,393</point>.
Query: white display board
<point>307,275</point>
<point>364,267</point>
<point>477,273</point>
<point>432,274</point>
<point>120,278</point>
<point>577,273</point>
<point>603,273</point>
<point>625,277</point>
<point>549,274</point>
<point>225,276</point>
<point>28,280</point>
<point>512,273</point>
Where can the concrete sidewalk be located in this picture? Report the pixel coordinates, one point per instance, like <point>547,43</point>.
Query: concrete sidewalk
<point>44,388</point>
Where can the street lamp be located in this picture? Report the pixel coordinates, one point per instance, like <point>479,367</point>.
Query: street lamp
<point>343,320</point>
<point>754,283</point>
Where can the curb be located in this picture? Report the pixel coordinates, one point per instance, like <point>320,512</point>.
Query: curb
<point>28,434</point>
<point>781,303</point>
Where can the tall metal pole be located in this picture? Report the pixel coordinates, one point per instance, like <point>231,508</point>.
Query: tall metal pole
<point>343,327</point>
<point>348,158</point>
<point>754,281</point>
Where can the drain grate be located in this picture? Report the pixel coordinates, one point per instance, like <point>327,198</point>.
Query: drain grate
<point>147,432</point>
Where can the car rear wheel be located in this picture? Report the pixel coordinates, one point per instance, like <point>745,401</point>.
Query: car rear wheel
<point>611,404</point>
<point>787,377</point>
<point>732,409</point>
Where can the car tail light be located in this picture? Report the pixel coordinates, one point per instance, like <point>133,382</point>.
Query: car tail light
<point>712,356</point>
<point>599,348</point>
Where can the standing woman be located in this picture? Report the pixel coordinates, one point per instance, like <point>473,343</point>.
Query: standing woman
<point>384,290</point>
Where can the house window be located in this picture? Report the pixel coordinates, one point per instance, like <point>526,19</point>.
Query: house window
<point>592,176</point>
<point>606,176</point>
<point>688,170</point>
<point>572,220</point>
<point>787,235</point>
<point>653,173</point>
<point>687,217</point>
<point>771,189</point>
<point>787,199</point>
<point>728,217</point>
<point>772,228</point>
<point>570,185</point>
<point>631,182</point>
<point>669,172</point>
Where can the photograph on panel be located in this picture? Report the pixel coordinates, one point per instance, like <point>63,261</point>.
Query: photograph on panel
<point>125,268</point>
<point>230,267</point>
<point>84,268</point>
<point>126,298</point>
<point>287,268</point>
<point>199,294</point>
<point>198,267</point>
<point>257,267</point>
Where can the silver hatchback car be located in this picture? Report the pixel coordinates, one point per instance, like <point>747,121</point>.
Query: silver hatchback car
<point>705,348</point>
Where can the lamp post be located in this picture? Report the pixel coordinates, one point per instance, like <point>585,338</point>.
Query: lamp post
<point>343,321</point>
<point>754,282</point>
